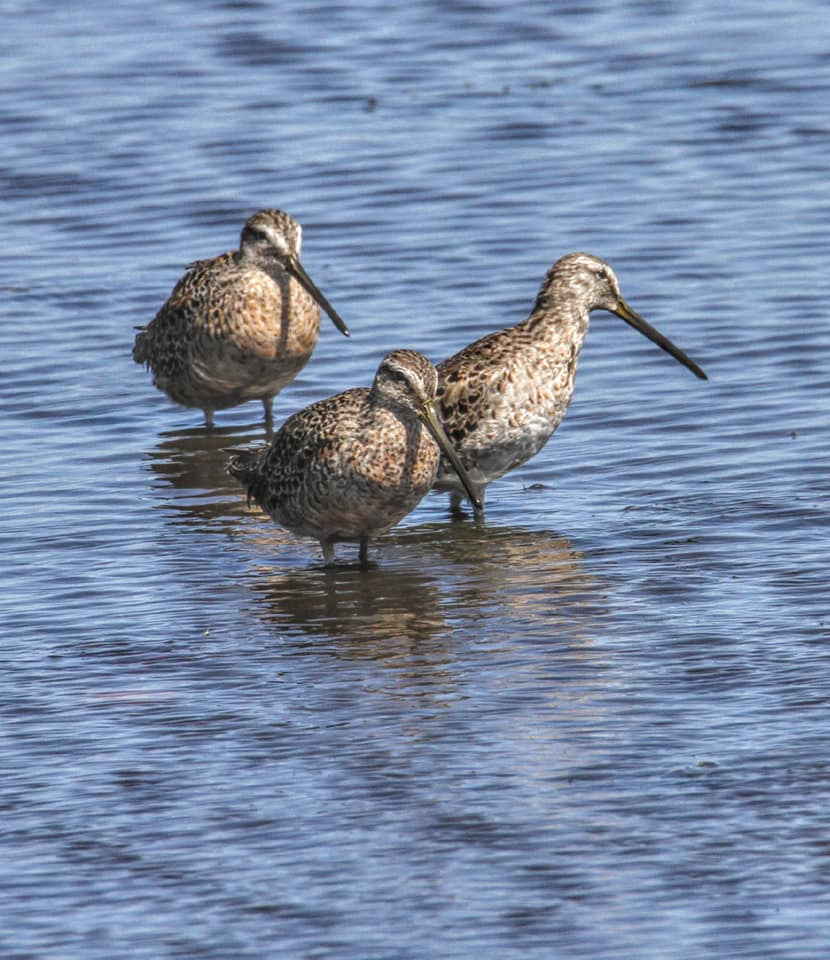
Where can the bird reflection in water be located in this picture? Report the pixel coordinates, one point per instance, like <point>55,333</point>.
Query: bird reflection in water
<point>189,466</point>
<point>501,584</point>
<point>527,583</point>
<point>439,584</point>
<point>402,607</point>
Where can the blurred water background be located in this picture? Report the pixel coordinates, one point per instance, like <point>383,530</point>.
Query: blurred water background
<point>596,727</point>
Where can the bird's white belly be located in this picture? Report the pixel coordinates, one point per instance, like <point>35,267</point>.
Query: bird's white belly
<point>488,459</point>
<point>510,451</point>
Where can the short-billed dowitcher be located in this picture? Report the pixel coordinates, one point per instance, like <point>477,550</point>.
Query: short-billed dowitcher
<point>502,397</point>
<point>239,326</point>
<point>353,465</point>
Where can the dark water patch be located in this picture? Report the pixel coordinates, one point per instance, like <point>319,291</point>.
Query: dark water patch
<point>252,49</point>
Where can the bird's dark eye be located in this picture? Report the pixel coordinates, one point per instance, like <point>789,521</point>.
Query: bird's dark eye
<point>254,235</point>
<point>601,274</point>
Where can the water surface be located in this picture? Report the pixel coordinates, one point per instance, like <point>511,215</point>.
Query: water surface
<point>595,726</point>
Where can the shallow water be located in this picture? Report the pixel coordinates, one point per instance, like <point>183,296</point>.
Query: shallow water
<point>595,726</point>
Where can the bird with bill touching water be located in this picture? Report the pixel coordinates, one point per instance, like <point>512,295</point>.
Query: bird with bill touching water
<point>351,466</point>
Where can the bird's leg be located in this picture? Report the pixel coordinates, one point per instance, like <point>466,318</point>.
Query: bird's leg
<point>209,418</point>
<point>363,556</point>
<point>328,552</point>
<point>268,406</point>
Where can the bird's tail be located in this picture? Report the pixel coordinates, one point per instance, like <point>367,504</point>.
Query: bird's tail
<point>246,466</point>
<point>141,348</point>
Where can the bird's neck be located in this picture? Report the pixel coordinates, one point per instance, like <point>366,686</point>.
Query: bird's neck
<point>271,266</point>
<point>380,398</point>
<point>555,317</point>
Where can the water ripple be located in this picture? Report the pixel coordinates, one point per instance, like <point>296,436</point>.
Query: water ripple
<point>608,701</point>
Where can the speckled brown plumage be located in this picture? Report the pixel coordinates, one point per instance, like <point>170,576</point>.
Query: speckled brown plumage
<point>239,326</point>
<point>502,397</point>
<point>350,467</point>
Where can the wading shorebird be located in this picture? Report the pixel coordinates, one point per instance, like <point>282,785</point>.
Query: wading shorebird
<point>239,326</point>
<point>501,398</point>
<point>350,467</point>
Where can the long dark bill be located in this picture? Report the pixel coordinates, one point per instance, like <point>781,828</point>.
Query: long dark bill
<point>298,270</point>
<point>635,320</point>
<point>433,424</point>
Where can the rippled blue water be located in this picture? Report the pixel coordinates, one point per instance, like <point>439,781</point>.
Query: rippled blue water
<point>596,727</point>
